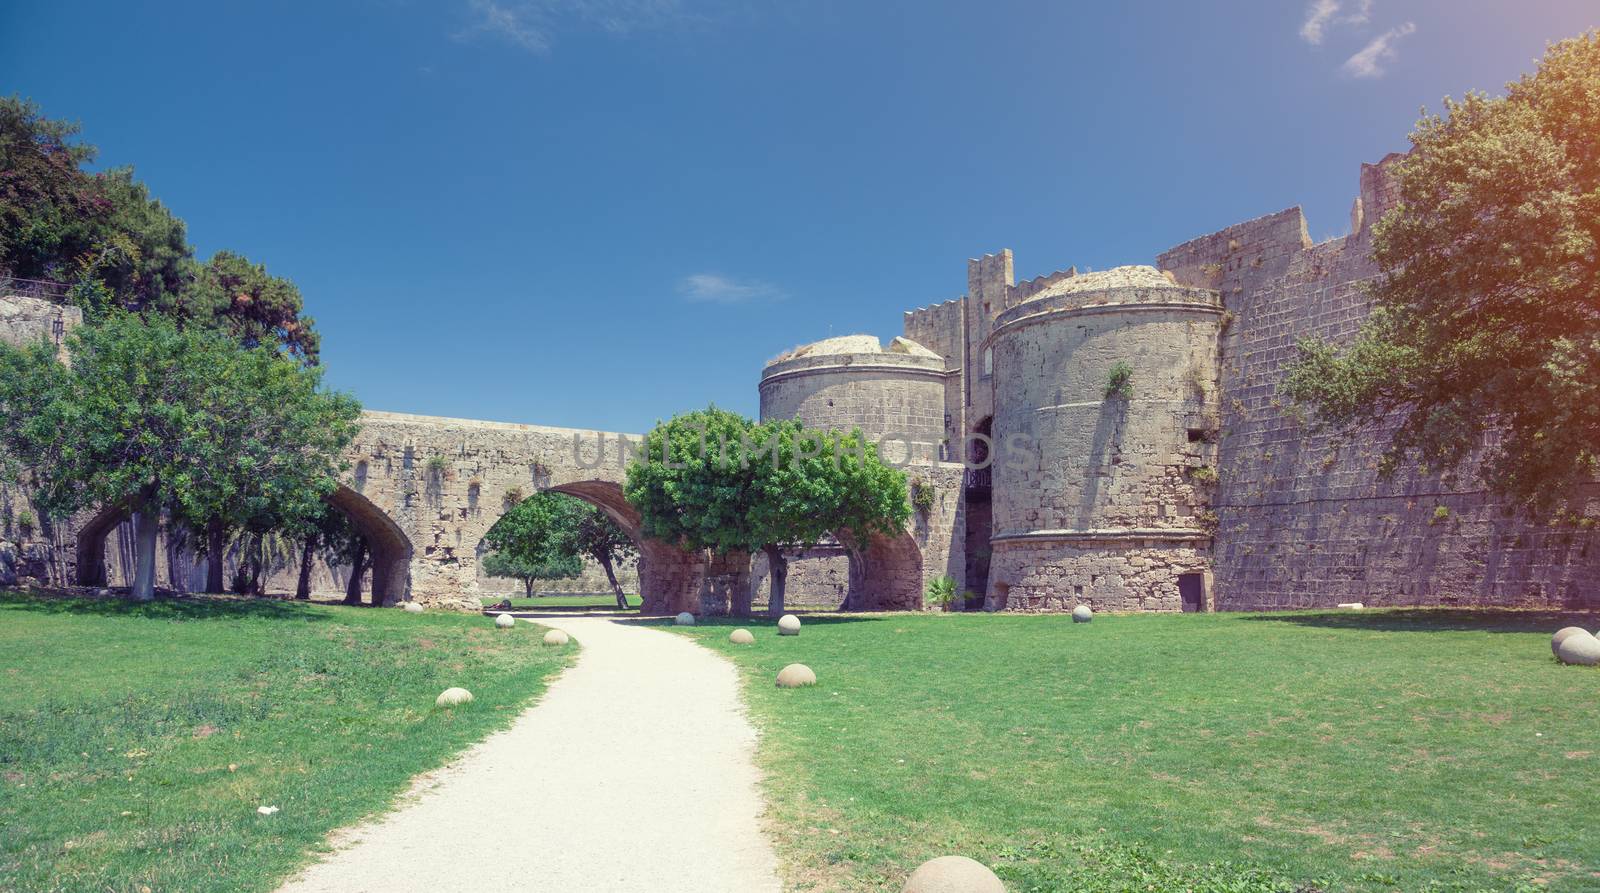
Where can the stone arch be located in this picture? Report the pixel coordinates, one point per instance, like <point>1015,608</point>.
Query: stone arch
<point>391,548</point>
<point>886,575</point>
<point>670,578</point>
<point>89,551</point>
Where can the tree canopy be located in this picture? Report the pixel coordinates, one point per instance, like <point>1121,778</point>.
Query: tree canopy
<point>182,422</point>
<point>1483,347</point>
<point>713,479</point>
<point>118,247</point>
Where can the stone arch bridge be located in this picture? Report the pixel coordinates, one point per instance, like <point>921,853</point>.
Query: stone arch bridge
<point>425,490</point>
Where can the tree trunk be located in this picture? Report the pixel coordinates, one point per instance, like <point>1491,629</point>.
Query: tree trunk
<point>605,561</point>
<point>308,554</point>
<point>215,537</point>
<point>352,589</point>
<point>175,579</point>
<point>256,556</point>
<point>527,586</point>
<point>146,526</point>
<point>778,571</point>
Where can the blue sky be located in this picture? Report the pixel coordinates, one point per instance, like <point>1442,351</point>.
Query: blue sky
<point>597,213</point>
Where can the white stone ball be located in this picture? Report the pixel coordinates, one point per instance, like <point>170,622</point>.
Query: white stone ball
<point>556,637</point>
<point>1080,614</point>
<point>413,608</point>
<point>685,619</point>
<point>1583,650</point>
<point>741,637</point>
<point>505,621</point>
<point>450,697</point>
<point>1561,635</point>
<point>788,625</point>
<point>795,676</point>
<point>952,874</point>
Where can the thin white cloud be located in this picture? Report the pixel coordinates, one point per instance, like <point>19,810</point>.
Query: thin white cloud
<point>1368,61</point>
<point>1317,19</point>
<point>1322,14</point>
<point>714,288</point>
<point>533,24</point>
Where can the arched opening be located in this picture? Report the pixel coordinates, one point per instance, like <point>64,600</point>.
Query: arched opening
<point>603,581</point>
<point>387,565</point>
<point>386,544</point>
<point>89,552</point>
<point>669,579</point>
<point>886,575</point>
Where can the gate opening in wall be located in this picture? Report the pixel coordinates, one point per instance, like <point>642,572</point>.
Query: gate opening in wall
<point>1192,592</point>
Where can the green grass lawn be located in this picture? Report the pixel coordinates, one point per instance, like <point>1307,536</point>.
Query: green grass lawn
<point>1396,750</point>
<point>137,741</point>
<point>562,601</point>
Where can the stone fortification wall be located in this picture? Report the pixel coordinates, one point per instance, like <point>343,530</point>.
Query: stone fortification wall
<point>1306,522</point>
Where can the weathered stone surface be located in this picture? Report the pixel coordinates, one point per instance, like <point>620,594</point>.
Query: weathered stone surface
<point>414,608</point>
<point>8,564</point>
<point>684,619</point>
<point>1082,614</point>
<point>1561,635</point>
<point>556,637</point>
<point>505,621</point>
<point>795,676</point>
<point>741,637</point>
<point>788,625</point>
<point>953,874</point>
<point>1579,649</point>
<point>451,697</point>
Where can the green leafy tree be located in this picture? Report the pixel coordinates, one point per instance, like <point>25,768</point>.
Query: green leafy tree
<point>534,541</point>
<point>121,248</point>
<point>230,293</point>
<point>182,423</point>
<point>712,479</point>
<point>1484,344</point>
<point>517,567</point>
<point>50,210</point>
<point>596,536</point>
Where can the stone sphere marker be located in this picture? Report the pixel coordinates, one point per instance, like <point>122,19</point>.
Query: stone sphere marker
<point>1080,614</point>
<point>450,697</point>
<point>505,621</point>
<point>1561,636</point>
<point>556,637</point>
<point>1581,649</point>
<point>741,637</point>
<point>788,625</point>
<point>413,608</point>
<point>684,619</point>
<point>796,676</point>
<point>952,874</point>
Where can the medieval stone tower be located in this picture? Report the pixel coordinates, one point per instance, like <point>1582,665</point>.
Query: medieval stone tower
<point>1105,412</point>
<point>853,381</point>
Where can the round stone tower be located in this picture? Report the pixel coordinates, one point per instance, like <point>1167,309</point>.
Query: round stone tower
<point>1105,395</point>
<point>894,395</point>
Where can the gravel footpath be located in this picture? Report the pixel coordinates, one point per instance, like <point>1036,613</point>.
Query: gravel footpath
<point>633,772</point>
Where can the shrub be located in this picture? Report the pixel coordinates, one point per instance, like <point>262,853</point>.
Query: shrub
<point>941,591</point>
<point>437,465</point>
<point>1440,514</point>
<point>1119,381</point>
<point>1205,475</point>
<point>922,495</point>
<point>26,522</point>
